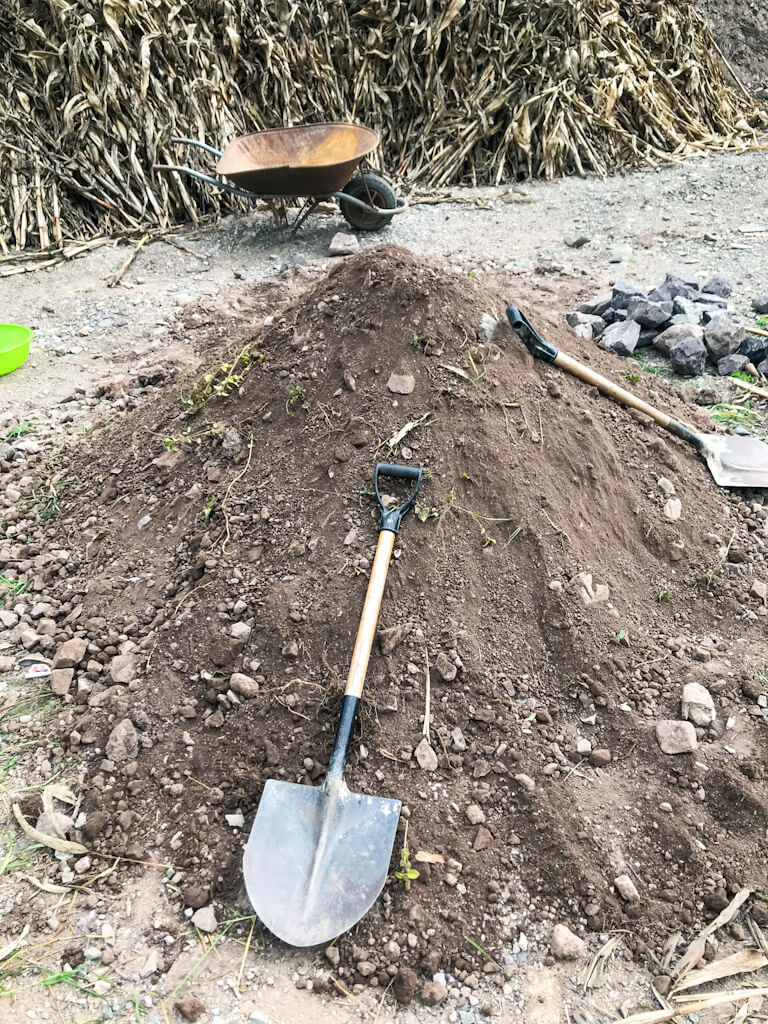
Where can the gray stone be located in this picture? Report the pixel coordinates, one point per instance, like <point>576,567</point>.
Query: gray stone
<point>673,335</point>
<point>730,364</point>
<point>61,680</point>
<point>648,313</point>
<point>687,308</point>
<point>621,337</point>
<point>122,669</point>
<point>697,705</point>
<point>754,347</point>
<point>722,336</point>
<point>673,509</point>
<point>674,287</point>
<point>626,888</point>
<point>718,285</point>
<point>622,292</point>
<point>425,755</point>
<point>343,244</point>
<point>123,742</point>
<point>596,306</point>
<point>646,338</point>
<point>760,304</point>
<point>205,919</point>
<point>489,326</point>
<point>688,357</point>
<point>71,653</point>
<point>713,301</point>
<point>577,319</point>
<point>762,368</point>
<point>612,316</point>
<point>240,631</point>
<point>401,383</point>
<point>565,945</point>
<point>584,331</point>
<point>675,737</point>
<point>576,241</point>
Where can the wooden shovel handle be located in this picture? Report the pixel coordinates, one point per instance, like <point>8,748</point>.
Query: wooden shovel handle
<point>368,620</point>
<point>584,373</point>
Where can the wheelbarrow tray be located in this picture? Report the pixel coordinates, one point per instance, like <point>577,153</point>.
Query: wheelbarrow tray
<point>307,160</point>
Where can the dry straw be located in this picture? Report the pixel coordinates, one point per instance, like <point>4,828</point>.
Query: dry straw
<point>462,90</point>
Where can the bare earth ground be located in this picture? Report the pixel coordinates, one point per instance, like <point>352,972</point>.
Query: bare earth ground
<point>639,227</point>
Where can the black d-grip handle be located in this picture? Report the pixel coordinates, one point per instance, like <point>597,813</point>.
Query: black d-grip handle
<point>391,518</point>
<point>533,341</point>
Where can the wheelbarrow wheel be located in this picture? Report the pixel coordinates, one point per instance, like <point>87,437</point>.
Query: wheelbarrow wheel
<point>374,191</point>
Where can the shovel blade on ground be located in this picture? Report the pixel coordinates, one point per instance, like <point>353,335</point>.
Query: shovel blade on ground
<point>735,460</point>
<point>317,859</point>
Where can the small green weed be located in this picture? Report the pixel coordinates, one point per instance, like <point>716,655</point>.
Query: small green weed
<point>732,415</point>
<point>664,595</point>
<point>209,507</point>
<point>407,873</point>
<point>486,539</point>
<point>710,574</point>
<point>740,375</point>
<point>761,321</point>
<point>294,395</point>
<point>424,512</point>
<point>11,588</point>
<point>482,952</point>
<point>20,430</point>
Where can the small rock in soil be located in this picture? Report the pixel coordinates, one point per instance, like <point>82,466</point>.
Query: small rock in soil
<point>123,742</point>
<point>526,782</point>
<point>95,824</point>
<point>243,685</point>
<point>565,945</point>
<point>663,984</point>
<point>759,589</point>
<point>332,955</point>
<point>61,680</point>
<point>600,758</point>
<point>760,304</point>
<point>483,840</point>
<point>392,637</point>
<point>621,337</point>
<point>71,653</point>
<point>190,1007</point>
<point>697,705</point>
<point>405,984</point>
<point>194,896</point>
<point>475,814</point>
<point>676,737</point>
<point>205,919</point>
<point>240,631</point>
<point>576,241</point>
<point>433,993</point>
<point>489,325</point>
<point>626,888</point>
<point>688,357</point>
<point>426,756</point>
<point>445,667</point>
<point>673,509</point>
<point>343,244</point>
<point>401,383</point>
<point>122,669</point>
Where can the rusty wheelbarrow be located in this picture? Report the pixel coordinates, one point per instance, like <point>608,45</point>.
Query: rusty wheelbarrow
<point>315,162</point>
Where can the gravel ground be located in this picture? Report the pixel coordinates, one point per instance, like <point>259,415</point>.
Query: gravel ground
<point>693,215</point>
<point>699,215</point>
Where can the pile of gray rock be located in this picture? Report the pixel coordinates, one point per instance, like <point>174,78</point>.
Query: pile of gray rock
<point>692,325</point>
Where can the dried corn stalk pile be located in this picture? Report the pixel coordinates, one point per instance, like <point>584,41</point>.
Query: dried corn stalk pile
<point>480,90</point>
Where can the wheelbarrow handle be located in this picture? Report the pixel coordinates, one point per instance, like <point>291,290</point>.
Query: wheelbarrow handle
<point>223,186</point>
<point>196,144</point>
<point>391,518</point>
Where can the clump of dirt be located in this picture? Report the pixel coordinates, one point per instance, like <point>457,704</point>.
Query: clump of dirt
<point>218,542</point>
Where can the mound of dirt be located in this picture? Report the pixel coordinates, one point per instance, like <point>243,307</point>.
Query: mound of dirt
<point>208,568</point>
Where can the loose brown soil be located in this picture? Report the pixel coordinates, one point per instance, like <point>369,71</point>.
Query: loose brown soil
<point>260,513</point>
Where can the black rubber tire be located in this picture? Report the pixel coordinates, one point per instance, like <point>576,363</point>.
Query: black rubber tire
<point>375,191</point>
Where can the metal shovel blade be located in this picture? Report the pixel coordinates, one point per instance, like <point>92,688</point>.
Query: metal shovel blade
<point>736,460</point>
<point>317,858</point>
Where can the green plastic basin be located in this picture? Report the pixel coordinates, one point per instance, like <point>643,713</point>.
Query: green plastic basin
<point>14,346</point>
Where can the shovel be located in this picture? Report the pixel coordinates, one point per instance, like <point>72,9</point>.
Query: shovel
<point>317,858</point>
<point>733,460</point>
